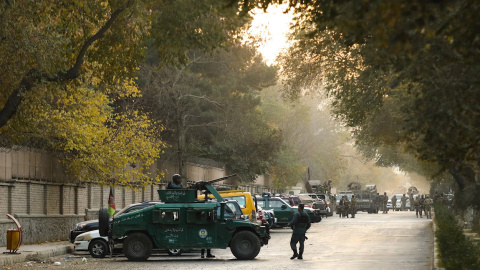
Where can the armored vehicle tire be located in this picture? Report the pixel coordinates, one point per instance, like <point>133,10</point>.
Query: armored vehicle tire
<point>245,245</point>
<point>137,247</point>
<point>103,220</point>
<point>98,248</point>
<point>174,252</point>
<point>318,218</point>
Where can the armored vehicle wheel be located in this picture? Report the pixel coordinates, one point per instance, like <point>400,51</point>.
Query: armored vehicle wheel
<point>174,252</point>
<point>103,220</point>
<point>245,245</point>
<point>98,248</point>
<point>318,218</point>
<point>137,247</point>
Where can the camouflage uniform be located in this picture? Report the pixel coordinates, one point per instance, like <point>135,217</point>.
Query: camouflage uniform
<point>404,202</point>
<point>353,204</point>
<point>418,210</point>
<point>421,203</point>
<point>385,201</point>
<point>428,207</point>
<point>394,202</point>
<point>411,201</point>
<point>300,224</point>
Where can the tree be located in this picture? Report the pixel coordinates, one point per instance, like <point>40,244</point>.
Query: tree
<point>68,71</point>
<point>311,137</point>
<point>210,109</point>
<point>404,69</point>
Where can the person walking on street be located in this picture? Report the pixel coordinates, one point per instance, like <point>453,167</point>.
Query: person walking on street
<point>353,208</point>
<point>412,200</point>
<point>421,203</point>
<point>300,224</point>
<point>394,203</point>
<point>428,206</point>
<point>404,202</point>
<point>385,201</point>
<point>417,206</point>
<point>176,182</point>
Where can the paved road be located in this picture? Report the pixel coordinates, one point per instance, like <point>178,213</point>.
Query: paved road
<point>397,241</point>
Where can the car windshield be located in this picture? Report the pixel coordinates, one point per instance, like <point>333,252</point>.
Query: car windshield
<point>260,202</point>
<point>235,208</point>
<point>240,199</point>
<point>228,212</point>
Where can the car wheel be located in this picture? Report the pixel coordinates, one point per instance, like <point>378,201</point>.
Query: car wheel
<point>174,252</point>
<point>98,248</point>
<point>137,247</point>
<point>245,245</point>
<point>103,221</point>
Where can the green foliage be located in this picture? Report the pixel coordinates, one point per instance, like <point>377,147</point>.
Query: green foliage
<point>65,66</point>
<point>286,171</point>
<point>402,75</point>
<point>309,133</point>
<point>210,108</point>
<point>183,25</point>
<point>456,250</point>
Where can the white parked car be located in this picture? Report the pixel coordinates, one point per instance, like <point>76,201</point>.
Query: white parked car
<point>97,245</point>
<point>398,204</point>
<point>92,242</point>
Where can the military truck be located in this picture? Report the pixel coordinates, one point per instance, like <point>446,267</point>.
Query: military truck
<point>366,199</point>
<point>184,222</point>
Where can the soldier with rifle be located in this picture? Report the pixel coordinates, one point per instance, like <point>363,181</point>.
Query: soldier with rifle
<point>300,224</point>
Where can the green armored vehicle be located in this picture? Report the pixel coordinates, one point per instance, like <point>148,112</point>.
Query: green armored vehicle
<point>184,222</point>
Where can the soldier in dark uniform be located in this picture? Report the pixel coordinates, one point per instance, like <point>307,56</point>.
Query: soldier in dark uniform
<point>299,224</point>
<point>176,182</point>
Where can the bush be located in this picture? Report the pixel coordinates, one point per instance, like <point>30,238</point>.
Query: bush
<point>456,250</point>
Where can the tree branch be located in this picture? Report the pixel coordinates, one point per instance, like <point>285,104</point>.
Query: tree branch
<point>33,77</point>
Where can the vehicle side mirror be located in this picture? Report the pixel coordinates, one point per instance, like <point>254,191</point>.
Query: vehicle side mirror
<point>284,206</point>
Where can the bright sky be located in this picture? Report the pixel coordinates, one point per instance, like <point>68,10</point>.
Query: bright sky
<point>272,28</point>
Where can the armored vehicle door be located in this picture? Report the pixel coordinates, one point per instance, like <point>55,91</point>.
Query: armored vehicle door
<point>283,211</point>
<point>169,227</point>
<point>201,231</point>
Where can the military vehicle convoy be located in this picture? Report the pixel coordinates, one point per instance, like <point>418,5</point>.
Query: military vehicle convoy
<point>184,222</point>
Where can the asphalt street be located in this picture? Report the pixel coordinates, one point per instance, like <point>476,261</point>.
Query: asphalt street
<point>397,240</point>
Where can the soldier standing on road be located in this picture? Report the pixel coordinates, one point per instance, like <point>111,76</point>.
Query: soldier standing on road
<point>176,182</point>
<point>394,202</point>
<point>411,201</point>
<point>428,206</point>
<point>417,206</point>
<point>341,207</point>
<point>353,204</point>
<point>404,202</point>
<point>421,203</point>
<point>385,201</point>
<point>300,224</point>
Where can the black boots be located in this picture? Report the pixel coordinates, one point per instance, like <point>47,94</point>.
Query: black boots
<point>295,255</point>
<point>300,257</point>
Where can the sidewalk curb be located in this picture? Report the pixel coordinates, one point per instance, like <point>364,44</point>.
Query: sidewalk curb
<point>25,255</point>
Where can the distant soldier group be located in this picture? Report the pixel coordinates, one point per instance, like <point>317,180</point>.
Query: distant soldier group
<point>347,207</point>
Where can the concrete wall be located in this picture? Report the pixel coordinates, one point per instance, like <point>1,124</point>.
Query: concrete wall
<point>34,189</point>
